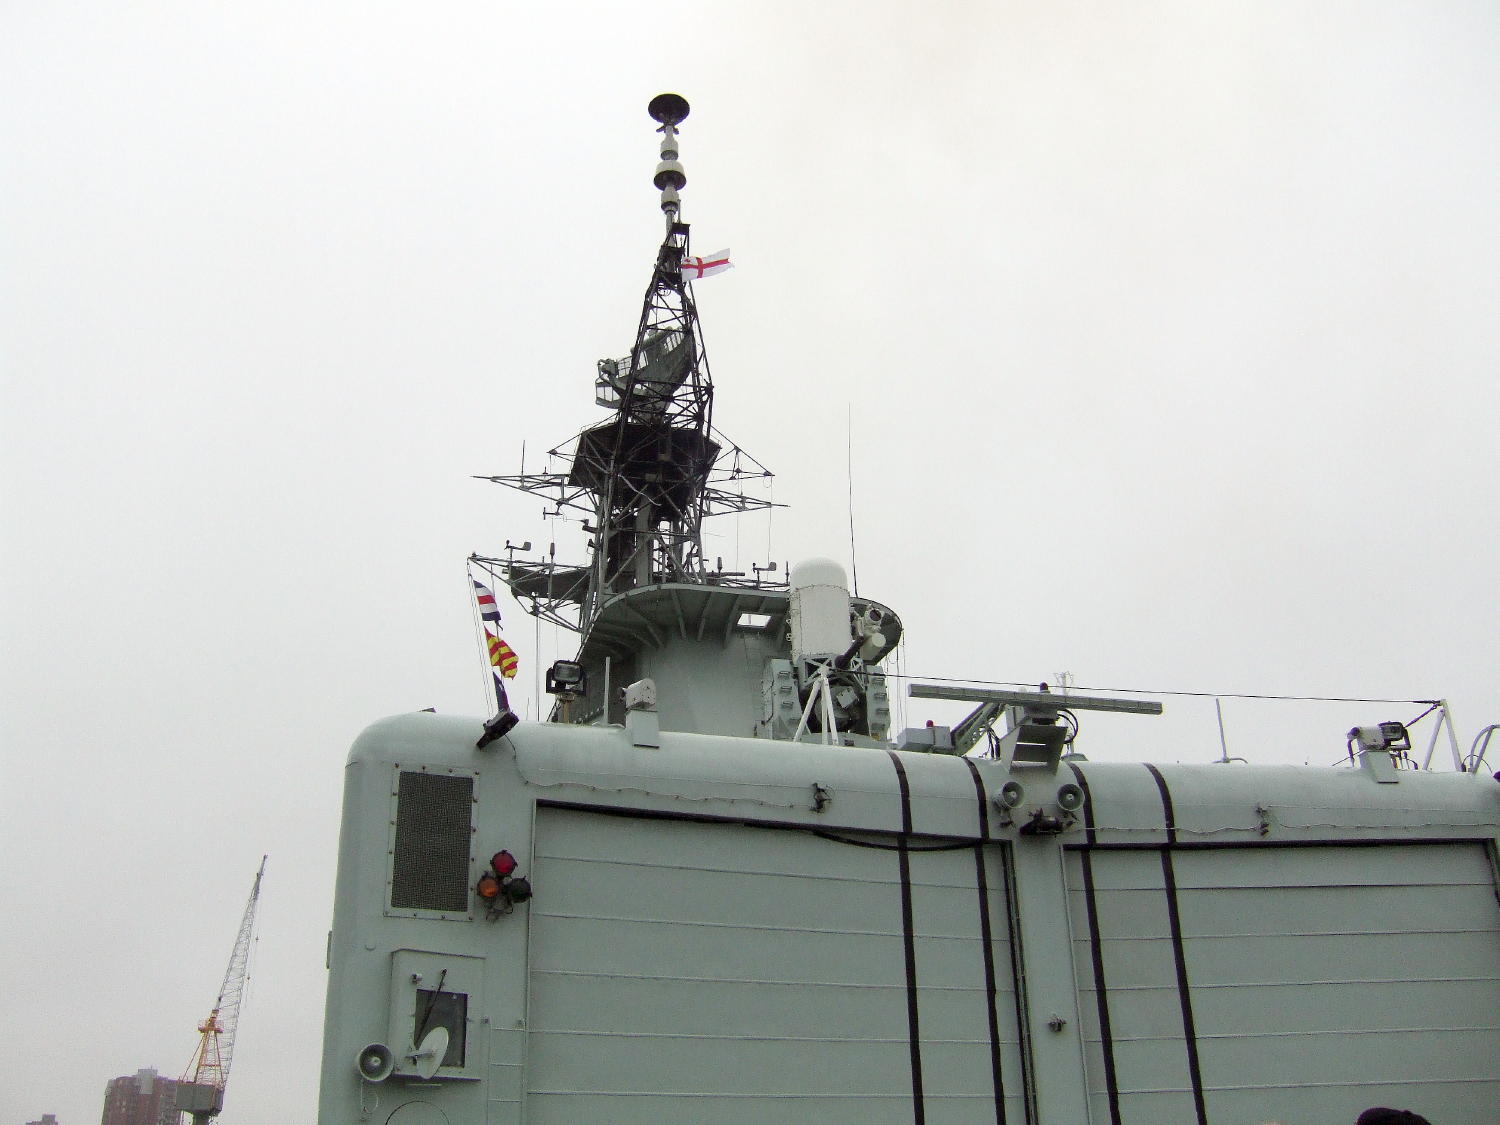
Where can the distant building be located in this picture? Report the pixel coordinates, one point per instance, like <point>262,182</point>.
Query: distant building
<point>46,1119</point>
<point>143,1098</point>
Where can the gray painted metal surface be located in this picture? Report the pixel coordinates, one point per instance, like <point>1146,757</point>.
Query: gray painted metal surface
<point>703,945</point>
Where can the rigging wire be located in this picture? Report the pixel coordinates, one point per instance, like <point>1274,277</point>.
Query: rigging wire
<point>486,692</point>
<point>902,700</point>
<point>1413,722</point>
<point>770,515</point>
<point>849,476</point>
<point>556,648</point>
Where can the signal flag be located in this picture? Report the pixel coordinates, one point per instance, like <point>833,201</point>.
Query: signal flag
<point>488,609</point>
<point>502,656</point>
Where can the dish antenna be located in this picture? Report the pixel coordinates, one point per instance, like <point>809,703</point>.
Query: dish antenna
<point>429,1056</point>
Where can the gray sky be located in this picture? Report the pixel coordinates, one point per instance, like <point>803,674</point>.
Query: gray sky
<point>1167,331</point>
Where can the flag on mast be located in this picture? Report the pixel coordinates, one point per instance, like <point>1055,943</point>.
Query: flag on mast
<point>500,696</point>
<point>502,656</point>
<point>696,269</point>
<point>488,609</point>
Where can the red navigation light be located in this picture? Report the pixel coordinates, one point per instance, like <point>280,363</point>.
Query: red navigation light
<point>488,887</point>
<point>504,864</point>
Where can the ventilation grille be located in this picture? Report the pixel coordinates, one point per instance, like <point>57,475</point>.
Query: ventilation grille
<point>431,867</point>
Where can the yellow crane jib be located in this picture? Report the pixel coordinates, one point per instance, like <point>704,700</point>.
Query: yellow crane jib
<point>200,1093</point>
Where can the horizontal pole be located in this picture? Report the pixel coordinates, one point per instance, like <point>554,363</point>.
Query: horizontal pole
<point>1035,699</point>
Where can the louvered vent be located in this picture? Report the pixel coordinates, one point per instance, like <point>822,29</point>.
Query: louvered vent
<point>431,866</point>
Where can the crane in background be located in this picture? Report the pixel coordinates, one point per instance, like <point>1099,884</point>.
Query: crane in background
<point>201,1091</point>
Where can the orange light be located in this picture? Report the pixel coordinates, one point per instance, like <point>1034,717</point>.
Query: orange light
<point>504,863</point>
<point>488,887</point>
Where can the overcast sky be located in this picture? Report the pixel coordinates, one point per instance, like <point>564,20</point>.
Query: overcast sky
<point>1165,335</point>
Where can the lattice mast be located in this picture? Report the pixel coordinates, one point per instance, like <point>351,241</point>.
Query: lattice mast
<point>208,1071</point>
<point>648,465</point>
<point>646,478</point>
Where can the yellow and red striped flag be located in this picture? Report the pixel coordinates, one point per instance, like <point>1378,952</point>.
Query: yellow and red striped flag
<point>502,656</point>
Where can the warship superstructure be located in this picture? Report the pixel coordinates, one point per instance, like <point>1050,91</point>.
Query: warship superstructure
<point>716,885</point>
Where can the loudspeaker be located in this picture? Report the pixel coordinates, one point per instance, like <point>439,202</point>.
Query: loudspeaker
<point>375,1062</point>
<point>1010,795</point>
<point>1069,797</point>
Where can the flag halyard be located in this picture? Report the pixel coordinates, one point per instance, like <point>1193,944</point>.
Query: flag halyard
<point>504,663</point>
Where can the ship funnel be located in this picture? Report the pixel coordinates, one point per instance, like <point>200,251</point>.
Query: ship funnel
<point>819,611</point>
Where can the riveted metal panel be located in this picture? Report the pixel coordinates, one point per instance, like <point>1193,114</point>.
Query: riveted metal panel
<point>1321,981</point>
<point>682,971</point>
<point>1344,932</point>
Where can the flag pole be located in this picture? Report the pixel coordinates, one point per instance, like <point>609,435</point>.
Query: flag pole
<point>477,621</point>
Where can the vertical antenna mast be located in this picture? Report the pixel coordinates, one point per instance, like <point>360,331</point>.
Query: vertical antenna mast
<point>648,466</point>
<point>645,479</point>
<point>671,110</point>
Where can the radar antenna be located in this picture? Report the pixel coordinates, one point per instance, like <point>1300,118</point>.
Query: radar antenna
<point>647,478</point>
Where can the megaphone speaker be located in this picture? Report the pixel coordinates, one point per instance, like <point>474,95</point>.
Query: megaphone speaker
<point>376,1062</point>
<point>1010,795</point>
<point>1069,797</point>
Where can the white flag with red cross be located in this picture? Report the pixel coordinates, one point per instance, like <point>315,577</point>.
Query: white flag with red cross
<point>695,268</point>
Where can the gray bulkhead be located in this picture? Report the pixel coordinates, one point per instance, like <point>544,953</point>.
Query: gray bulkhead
<point>1204,943</point>
<point>689,640</point>
<point>713,653</point>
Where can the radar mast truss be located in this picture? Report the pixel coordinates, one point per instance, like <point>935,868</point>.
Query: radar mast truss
<point>644,480</point>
